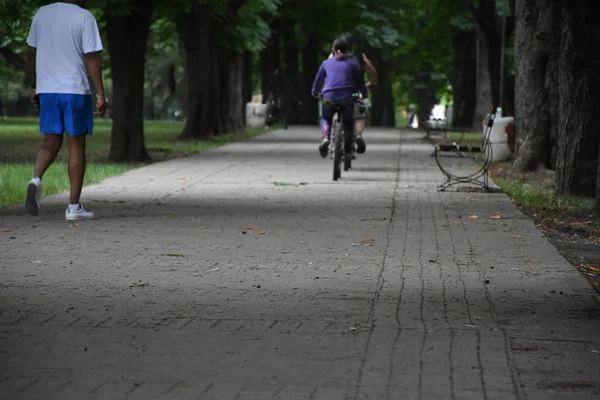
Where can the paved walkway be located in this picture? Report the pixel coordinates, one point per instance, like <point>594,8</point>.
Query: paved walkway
<point>246,273</point>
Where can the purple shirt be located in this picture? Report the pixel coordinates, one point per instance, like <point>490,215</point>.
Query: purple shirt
<point>339,79</point>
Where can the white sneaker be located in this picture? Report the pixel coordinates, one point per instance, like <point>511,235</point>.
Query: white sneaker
<point>78,215</point>
<point>33,201</point>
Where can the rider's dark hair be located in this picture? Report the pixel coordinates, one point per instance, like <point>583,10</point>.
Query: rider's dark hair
<point>340,47</point>
<point>347,36</point>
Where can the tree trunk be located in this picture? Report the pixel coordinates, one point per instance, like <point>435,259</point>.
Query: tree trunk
<point>382,109</point>
<point>127,37</point>
<point>291,57</point>
<point>247,89</point>
<point>579,100</point>
<point>215,100</point>
<point>310,66</point>
<point>14,59</point>
<point>536,50</point>
<point>489,31</point>
<point>270,60</point>
<point>194,30</point>
<point>464,74</point>
<point>483,86</point>
<point>229,89</point>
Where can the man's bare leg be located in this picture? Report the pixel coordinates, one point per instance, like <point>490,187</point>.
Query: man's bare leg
<point>47,154</point>
<point>45,157</point>
<point>77,163</point>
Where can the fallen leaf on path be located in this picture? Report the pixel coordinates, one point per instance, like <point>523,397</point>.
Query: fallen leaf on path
<point>182,177</point>
<point>368,240</point>
<point>251,228</point>
<point>515,235</point>
<point>203,227</point>
<point>591,268</point>
<point>169,254</point>
<point>75,225</point>
<point>473,217</point>
<point>138,284</point>
<point>262,233</point>
<point>374,219</point>
<point>6,230</point>
<point>496,217</point>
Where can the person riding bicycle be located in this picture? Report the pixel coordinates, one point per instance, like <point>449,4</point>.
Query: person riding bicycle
<point>338,79</point>
<point>360,107</point>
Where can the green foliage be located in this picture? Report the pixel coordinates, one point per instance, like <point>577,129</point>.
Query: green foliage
<point>15,19</point>
<point>251,29</point>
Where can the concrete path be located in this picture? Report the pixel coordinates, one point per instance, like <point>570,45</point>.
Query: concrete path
<point>246,273</point>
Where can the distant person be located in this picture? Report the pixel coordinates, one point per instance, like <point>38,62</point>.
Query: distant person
<point>361,104</point>
<point>337,80</point>
<point>64,47</point>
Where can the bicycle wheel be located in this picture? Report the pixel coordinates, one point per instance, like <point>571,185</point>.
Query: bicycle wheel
<point>337,151</point>
<point>348,144</point>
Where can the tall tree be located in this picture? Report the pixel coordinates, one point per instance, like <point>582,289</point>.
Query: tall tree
<point>464,78</point>
<point>215,36</point>
<point>537,46</point>
<point>579,100</point>
<point>127,29</point>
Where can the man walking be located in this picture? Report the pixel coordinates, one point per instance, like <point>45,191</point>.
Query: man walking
<point>64,46</point>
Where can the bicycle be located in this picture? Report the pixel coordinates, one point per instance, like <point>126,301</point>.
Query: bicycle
<point>341,146</point>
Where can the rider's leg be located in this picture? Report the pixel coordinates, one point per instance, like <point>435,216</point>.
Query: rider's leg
<point>326,122</point>
<point>360,125</point>
<point>361,120</point>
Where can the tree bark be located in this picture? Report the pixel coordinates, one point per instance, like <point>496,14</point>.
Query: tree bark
<point>229,90</point>
<point>14,59</point>
<point>215,98</point>
<point>579,100</point>
<point>247,89</point>
<point>270,60</point>
<point>488,28</point>
<point>464,79</point>
<point>194,30</point>
<point>310,66</point>
<point>483,84</point>
<point>127,37</point>
<point>382,101</point>
<point>291,57</point>
<point>536,58</point>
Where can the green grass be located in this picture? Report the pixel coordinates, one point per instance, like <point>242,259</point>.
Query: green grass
<point>14,178</point>
<point>20,141</point>
<point>466,138</point>
<point>532,196</point>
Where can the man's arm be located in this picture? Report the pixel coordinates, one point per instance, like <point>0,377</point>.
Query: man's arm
<point>31,72</point>
<point>94,67</point>
<point>371,71</point>
<point>31,59</point>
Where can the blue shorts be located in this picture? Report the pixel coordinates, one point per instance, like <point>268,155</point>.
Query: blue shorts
<point>72,114</point>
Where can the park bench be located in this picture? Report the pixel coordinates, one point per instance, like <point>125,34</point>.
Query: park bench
<point>481,176</point>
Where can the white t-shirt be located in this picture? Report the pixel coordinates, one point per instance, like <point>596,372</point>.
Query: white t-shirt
<point>63,33</point>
